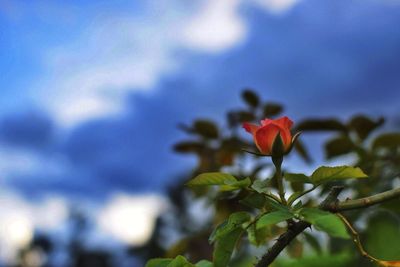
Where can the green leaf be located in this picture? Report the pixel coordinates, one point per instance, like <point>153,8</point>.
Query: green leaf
<point>250,98</point>
<point>325,221</point>
<point>205,128</point>
<point>234,221</point>
<point>321,125</point>
<point>387,140</point>
<point>224,247</point>
<point>338,146</point>
<point>326,260</point>
<point>240,116</point>
<point>326,174</point>
<point>294,196</point>
<point>297,206</point>
<point>204,263</point>
<point>297,177</point>
<point>296,186</point>
<point>180,261</point>
<point>277,206</point>
<point>363,125</point>
<point>188,147</point>
<point>272,109</point>
<point>212,178</point>
<point>257,237</point>
<point>158,262</point>
<point>254,200</point>
<point>236,185</point>
<point>273,218</point>
<point>261,186</point>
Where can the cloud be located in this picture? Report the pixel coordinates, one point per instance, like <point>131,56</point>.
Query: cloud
<point>277,6</point>
<point>89,78</point>
<point>131,219</point>
<point>219,25</point>
<point>126,219</point>
<point>216,27</point>
<point>31,129</point>
<point>116,54</point>
<point>20,217</point>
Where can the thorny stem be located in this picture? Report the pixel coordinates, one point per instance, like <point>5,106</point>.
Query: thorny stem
<point>356,239</point>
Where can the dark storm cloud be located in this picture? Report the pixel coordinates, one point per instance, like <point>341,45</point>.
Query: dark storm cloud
<point>324,57</point>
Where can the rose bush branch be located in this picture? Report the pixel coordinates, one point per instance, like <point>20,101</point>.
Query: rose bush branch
<point>331,204</point>
<point>363,252</point>
<point>357,240</point>
<point>366,201</point>
<point>282,242</point>
<point>295,229</point>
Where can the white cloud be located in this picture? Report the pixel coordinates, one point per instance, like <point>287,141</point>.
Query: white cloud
<point>217,26</point>
<point>277,6</point>
<point>131,219</point>
<point>89,77</point>
<point>19,217</point>
<point>116,53</point>
<point>127,219</point>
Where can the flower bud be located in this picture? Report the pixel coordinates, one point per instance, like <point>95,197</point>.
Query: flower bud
<point>272,137</point>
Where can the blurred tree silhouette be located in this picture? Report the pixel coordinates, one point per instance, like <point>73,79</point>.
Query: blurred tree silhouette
<point>39,252</point>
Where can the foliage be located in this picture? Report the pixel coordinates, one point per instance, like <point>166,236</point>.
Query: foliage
<point>249,215</point>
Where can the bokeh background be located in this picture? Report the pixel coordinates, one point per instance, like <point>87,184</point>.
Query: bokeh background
<point>92,93</point>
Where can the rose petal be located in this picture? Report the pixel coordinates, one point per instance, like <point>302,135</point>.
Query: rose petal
<point>266,122</point>
<point>251,128</point>
<point>284,122</point>
<point>265,137</point>
<point>286,138</point>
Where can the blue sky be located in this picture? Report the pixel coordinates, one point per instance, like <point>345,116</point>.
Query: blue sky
<point>91,92</point>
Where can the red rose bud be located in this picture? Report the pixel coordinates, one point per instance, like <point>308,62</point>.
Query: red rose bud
<point>272,137</point>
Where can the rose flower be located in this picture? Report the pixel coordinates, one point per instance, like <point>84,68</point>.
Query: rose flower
<point>267,134</point>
